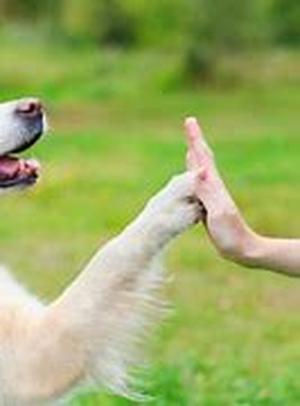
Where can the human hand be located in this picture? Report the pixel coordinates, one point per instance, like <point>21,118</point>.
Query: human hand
<point>226,227</point>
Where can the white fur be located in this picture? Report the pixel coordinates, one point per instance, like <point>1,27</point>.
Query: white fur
<point>93,332</point>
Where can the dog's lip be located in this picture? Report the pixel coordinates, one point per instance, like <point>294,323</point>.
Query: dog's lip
<point>27,144</point>
<point>21,181</point>
<point>14,170</point>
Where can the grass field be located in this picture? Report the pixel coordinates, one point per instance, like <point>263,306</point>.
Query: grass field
<point>116,139</point>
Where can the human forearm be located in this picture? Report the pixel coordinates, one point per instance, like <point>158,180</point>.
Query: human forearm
<point>276,254</point>
<point>236,241</point>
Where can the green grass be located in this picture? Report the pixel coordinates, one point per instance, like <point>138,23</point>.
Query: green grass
<point>234,336</point>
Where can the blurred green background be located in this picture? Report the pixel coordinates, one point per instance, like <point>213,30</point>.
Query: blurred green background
<point>118,77</point>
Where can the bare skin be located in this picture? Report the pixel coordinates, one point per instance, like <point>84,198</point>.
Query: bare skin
<point>228,231</point>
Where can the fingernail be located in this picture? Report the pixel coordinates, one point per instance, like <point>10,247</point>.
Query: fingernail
<point>190,121</point>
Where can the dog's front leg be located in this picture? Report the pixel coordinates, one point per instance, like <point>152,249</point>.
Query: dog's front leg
<point>94,329</point>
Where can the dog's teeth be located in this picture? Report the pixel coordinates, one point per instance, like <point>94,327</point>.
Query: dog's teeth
<point>34,164</point>
<point>22,165</point>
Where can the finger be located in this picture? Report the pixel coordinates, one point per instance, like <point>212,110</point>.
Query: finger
<point>196,140</point>
<point>193,131</point>
<point>191,161</point>
<point>195,134</point>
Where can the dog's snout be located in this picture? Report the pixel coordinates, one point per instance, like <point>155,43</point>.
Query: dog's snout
<point>31,108</point>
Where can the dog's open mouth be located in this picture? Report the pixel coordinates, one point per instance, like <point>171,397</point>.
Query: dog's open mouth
<point>17,171</point>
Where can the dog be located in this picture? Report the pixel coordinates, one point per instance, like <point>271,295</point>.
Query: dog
<point>93,332</point>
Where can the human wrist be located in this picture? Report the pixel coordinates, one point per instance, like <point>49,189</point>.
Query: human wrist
<point>235,240</point>
<point>251,249</point>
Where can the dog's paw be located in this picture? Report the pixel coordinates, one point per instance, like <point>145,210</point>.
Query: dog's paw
<point>176,206</point>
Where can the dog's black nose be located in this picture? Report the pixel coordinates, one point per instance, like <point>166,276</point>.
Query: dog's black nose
<point>31,108</point>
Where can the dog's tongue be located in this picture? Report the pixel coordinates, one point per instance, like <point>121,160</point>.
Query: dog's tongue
<point>9,167</point>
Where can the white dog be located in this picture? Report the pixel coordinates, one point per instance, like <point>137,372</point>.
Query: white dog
<point>92,332</point>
